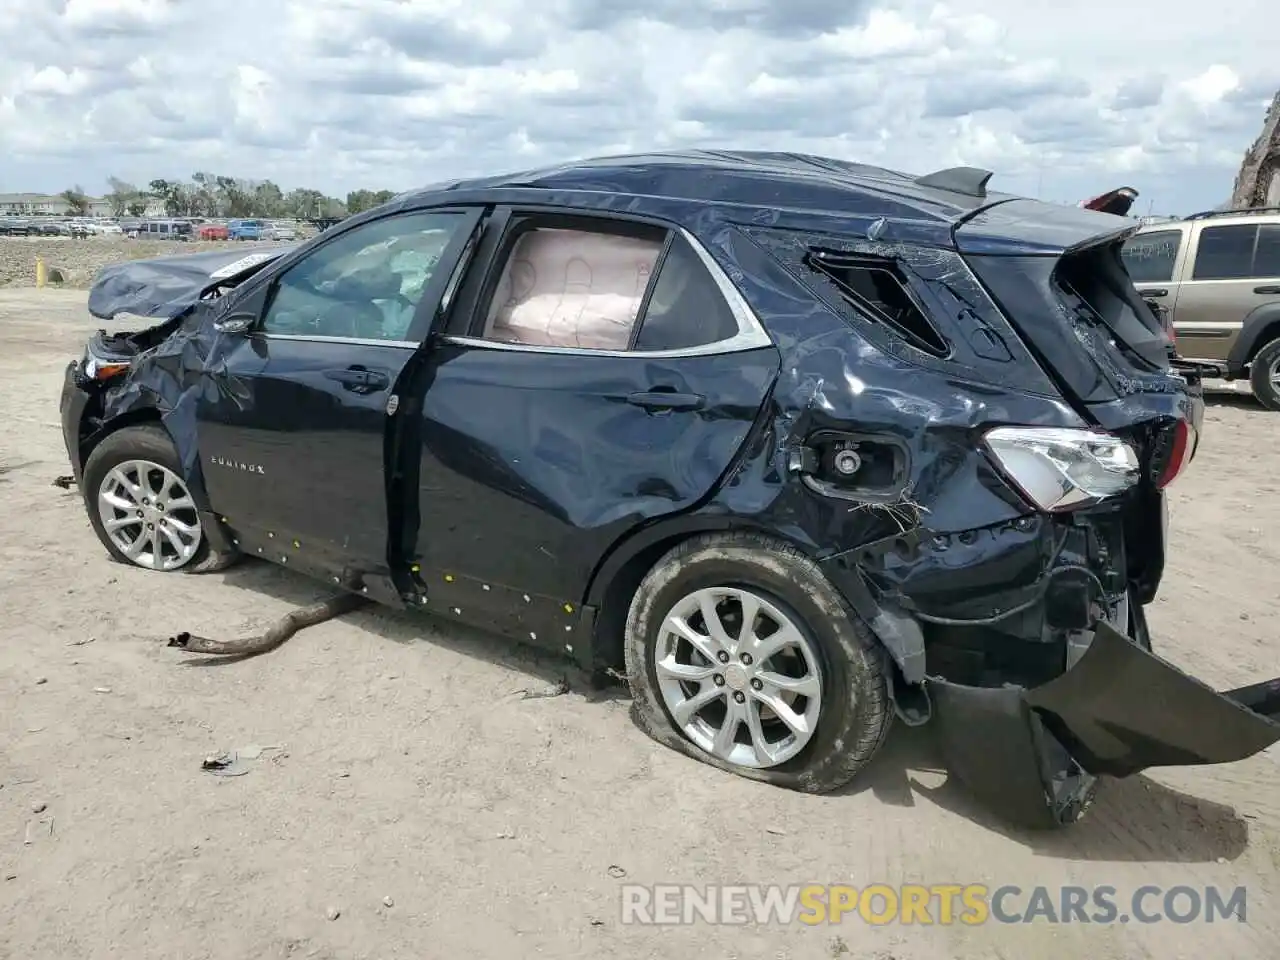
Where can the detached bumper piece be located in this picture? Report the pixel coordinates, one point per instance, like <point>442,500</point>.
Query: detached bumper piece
<point>1034,755</point>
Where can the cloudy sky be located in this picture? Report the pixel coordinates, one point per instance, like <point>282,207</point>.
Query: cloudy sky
<point>1062,100</point>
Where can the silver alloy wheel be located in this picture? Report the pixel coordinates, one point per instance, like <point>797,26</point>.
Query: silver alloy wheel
<point>147,511</point>
<point>1274,374</point>
<point>728,660</point>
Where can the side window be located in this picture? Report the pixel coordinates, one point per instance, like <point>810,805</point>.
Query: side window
<point>1266,258</point>
<point>1225,253</point>
<point>576,288</point>
<point>1149,257</point>
<point>366,284</point>
<point>686,308</point>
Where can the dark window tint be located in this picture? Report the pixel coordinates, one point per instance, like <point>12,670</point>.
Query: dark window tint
<point>1225,253</point>
<point>1149,257</point>
<point>1266,258</point>
<point>686,309</point>
<point>876,288</point>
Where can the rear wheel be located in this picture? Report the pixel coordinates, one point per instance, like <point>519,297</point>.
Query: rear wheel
<point>741,654</point>
<point>139,505</point>
<point>1264,375</point>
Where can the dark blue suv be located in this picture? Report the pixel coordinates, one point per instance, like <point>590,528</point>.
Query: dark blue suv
<point>795,445</point>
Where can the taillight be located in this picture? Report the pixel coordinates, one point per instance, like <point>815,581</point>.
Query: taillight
<point>1175,452</point>
<point>1063,468</point>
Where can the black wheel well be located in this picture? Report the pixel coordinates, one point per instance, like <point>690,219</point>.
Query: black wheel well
<point>1269,334</point>
<point>131,418</point>
<point>615,600</point>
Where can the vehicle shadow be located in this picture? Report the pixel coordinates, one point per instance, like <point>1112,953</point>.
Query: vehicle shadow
<point>1136,819</point>
<point>403,627</point>
<point>1227,397</point>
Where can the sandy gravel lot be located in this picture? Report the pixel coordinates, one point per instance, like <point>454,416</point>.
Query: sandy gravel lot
<point>79,260</point>
<point>442,816</point>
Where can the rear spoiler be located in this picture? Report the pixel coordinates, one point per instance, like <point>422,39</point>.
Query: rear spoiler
<point>1118,201</point>
<point>1021,227</point>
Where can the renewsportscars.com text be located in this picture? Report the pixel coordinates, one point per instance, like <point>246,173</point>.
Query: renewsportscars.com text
<point>927,904</point>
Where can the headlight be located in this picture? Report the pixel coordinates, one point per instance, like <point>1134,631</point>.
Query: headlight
<point>95,369</point>
<point>1059,469</point>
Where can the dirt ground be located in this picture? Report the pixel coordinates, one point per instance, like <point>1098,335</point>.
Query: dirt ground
<point>413,791</point>
<point>77,260</point>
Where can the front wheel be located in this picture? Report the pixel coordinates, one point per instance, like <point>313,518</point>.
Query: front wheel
<point>139,505</point>
<point>741,654</point>
<point>1264,375</point>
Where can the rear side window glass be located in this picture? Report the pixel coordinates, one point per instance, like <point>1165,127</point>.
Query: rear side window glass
<point>1225,253</point>
<point>1094,284</point>
<point>572,288</point>
<point>1149,257</point>
<point>1266,258</point>
<point>876,288</point>
<point>686,308</point>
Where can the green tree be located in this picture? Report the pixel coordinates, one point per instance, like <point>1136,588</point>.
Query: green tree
<point>169,194</point>
<point>121,195</point>
<point>77,201</point>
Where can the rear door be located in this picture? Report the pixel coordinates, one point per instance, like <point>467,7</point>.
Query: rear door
<point>294,418</point>
<point>1235,268</point>
<point>602,373</point>
<point>1155,259</point>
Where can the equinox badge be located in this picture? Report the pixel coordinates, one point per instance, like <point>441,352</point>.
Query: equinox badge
<point>237,465</point>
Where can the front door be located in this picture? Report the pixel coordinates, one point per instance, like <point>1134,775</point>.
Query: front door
<point>294,421</point>
<point>603,375</point>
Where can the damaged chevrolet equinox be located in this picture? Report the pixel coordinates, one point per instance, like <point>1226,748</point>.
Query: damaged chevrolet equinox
<point>796,445</point>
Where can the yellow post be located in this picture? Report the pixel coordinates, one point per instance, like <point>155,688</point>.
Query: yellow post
<point>41,274</point>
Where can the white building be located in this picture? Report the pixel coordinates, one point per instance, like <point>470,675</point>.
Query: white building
<point>44,204</point>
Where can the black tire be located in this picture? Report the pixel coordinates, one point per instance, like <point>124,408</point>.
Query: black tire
<point>143,442</point>
<point>1260,375</point>
<point>856,708</point>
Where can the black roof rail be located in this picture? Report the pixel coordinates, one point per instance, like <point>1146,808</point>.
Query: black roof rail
<point>1234,212</point>
<point>971,181</point>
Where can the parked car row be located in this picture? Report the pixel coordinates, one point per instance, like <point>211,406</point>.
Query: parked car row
<point>56,227</point>
<point>150,228</point>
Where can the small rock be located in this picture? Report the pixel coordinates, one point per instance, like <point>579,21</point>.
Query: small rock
<point>616,871</point>
<point>1244,616</point>
<point>388,902</point>
<point>333,913</point>
<point>39,806</point>
<point>343,774</point>
<point>101,689</point>
<point>1222,859</point>
<point>40,680</point>
<point>11,876</point>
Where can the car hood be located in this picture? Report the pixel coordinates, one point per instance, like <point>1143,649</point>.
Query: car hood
<point>163,287</point>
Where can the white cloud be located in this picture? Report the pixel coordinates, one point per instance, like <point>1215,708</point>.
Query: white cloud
<point>1064,99</point>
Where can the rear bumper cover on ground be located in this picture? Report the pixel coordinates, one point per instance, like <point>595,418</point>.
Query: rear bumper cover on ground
<point>1033,755</point>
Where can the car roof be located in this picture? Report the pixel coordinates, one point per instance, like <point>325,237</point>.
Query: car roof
<point>1217,218</point>
<point>772,180</point>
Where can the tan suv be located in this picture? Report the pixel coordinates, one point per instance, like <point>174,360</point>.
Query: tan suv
<point>1218,275</point>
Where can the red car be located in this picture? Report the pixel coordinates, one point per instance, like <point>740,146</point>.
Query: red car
<point>212,231</point>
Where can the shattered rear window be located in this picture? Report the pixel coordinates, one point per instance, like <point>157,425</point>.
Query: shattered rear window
<point>1096,287</point>
<point>876,287</point>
